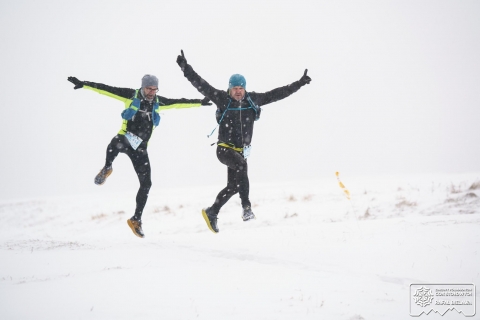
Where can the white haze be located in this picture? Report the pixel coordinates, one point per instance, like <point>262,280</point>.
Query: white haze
<point>394,89</point>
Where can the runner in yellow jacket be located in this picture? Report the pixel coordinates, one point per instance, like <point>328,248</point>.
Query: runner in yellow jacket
<point>140,117</point>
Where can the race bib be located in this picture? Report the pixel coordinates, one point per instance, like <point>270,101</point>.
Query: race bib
<point>133,139</point>
<point>246,151</point>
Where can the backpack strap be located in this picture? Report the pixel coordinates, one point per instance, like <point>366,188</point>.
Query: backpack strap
<point>156,112</point>
<point>129,112</point>
<point>221,118</point>
<point>255,108</point>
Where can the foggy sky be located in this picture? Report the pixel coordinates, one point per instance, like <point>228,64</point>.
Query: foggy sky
<point>395,88</point>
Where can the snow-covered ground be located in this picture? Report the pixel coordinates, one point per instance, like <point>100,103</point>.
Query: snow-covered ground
<point>310,254</point>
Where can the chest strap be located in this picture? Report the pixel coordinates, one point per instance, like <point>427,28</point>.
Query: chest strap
<point>134,107</point>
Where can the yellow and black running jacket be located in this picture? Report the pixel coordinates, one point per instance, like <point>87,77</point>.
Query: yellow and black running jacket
<point>142,123</point>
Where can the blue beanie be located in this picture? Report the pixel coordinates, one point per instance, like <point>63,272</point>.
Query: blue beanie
<point>237,80</point>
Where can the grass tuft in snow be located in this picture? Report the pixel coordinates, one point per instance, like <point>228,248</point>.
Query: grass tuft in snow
<point>405,203</point>
<point>366,215</point>
<point>99,216</point>
<point>475,185</point>
<point>455,189</point>
<point>293,215</point>
<point>165,209</point>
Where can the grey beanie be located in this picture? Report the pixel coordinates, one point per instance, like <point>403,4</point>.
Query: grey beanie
<point>149,80</point>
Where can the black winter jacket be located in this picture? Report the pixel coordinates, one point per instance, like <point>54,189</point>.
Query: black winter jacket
<point>236,127</point>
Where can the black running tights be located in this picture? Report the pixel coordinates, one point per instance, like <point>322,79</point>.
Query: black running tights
<point>237,178</point>
<point>141,164</point>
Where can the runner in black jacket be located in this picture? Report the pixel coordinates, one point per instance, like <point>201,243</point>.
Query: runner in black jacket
<point>236,112</point>
<point>140,117</point>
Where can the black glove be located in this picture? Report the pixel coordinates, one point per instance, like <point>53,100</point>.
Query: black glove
<point>206,102</point>
<point>305,79</point>
<point>182,62</point>
<point>78,84</point>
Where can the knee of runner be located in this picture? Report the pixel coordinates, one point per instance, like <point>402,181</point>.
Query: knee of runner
<point>241,167</point>
<point>147,184</point>
<point>145,181</point>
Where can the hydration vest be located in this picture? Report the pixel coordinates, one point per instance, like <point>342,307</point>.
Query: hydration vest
<point>257,109</point>
<point>129,112</point>
<point>219,115</point>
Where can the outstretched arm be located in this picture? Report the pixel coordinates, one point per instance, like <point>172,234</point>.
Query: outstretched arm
<point>280,93</point>
<point>114,92</point>
<point>198,82</point>
<point>166,103</point>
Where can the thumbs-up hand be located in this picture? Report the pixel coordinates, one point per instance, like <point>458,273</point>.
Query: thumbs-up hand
<point>305,79</point>
<point>182,62</point>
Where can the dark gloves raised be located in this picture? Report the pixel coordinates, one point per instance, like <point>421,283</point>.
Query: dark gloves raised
<point>182,62</point>
<point>78,84</point>
<point>305,79</point>
<point>206,102</point>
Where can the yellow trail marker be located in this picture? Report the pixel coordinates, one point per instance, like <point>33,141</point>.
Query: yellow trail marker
<point>347,193</point>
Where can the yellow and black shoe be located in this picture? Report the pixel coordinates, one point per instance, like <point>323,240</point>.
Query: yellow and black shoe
<point>103,175</point>
<point>210,219</point>
<point>136,226</point>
